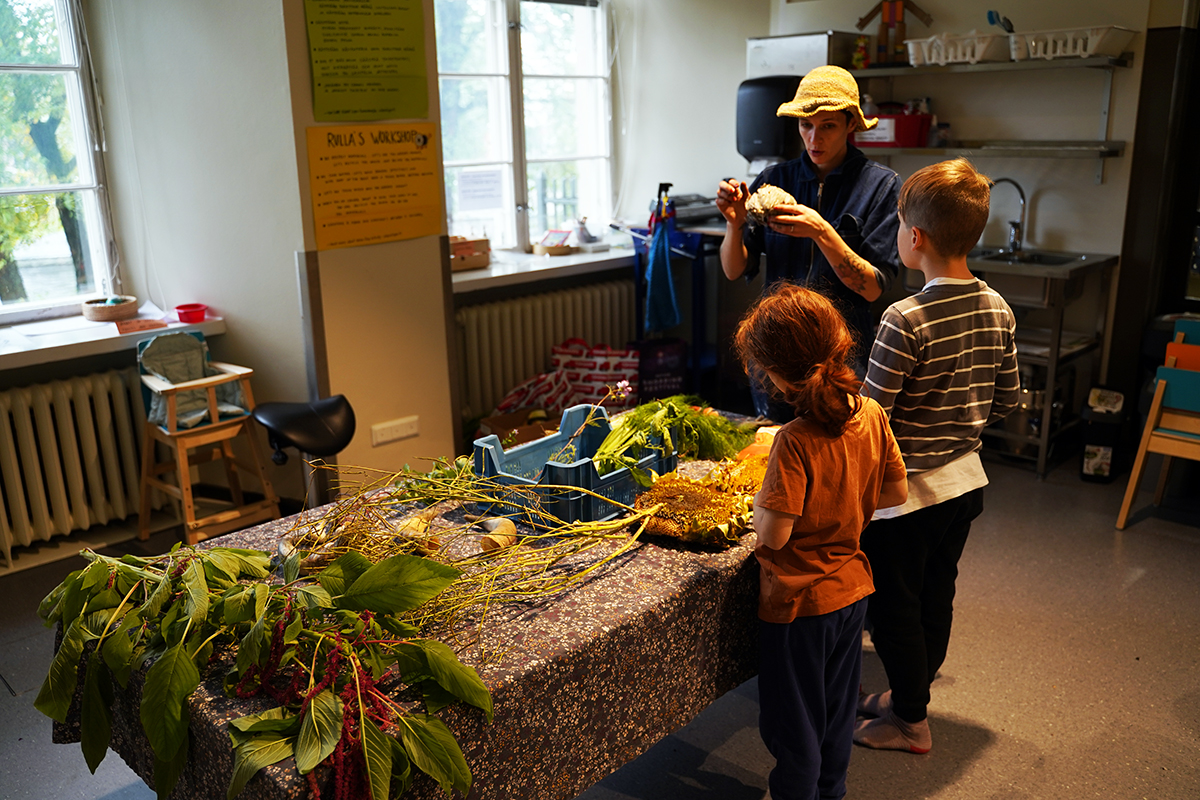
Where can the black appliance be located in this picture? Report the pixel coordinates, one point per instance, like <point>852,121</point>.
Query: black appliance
<point>760,134</point>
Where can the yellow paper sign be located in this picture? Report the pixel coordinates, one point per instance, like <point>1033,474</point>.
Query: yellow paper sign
<point>373,183</point>
<point>368,59</point>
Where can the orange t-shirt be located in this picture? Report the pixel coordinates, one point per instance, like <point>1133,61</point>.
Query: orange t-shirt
<point>831,484</point>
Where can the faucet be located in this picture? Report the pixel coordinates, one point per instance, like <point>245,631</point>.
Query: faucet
<point>1015,227</point>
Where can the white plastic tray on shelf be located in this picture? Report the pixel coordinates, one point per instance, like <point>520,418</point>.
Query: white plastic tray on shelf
<point>969,48</point>
<point>1104,40</point>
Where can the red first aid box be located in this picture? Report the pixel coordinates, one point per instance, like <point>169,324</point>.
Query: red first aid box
<point>897,130</point>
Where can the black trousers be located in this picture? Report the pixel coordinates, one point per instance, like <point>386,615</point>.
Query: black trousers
<point>914,561</point>
<point>808,679</point>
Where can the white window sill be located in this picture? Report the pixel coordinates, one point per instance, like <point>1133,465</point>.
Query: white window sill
<point>46,341</point>
<point>512,268</point>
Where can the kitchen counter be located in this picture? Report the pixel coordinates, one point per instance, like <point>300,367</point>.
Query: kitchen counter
<point>1087,263</point>
<point>512,268</point>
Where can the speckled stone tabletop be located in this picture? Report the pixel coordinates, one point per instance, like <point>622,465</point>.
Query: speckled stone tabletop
<point>581,684</point>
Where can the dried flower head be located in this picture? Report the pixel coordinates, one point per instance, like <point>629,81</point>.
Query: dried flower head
<point>762,203</point>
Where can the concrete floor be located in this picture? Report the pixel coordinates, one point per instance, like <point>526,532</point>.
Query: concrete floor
<point>1073,672</point>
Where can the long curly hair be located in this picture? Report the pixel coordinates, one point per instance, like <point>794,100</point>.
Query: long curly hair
<point>800,336</point>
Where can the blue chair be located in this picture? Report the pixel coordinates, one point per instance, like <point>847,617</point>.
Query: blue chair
<point>1187,330</point>
<point>1172,430</point>
<point>194,403</point>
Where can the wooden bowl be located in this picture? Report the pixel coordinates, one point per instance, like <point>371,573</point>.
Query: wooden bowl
<point>100,310</point>
<point>553,250</point>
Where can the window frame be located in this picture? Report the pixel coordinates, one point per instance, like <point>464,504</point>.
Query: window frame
<point>88,130</point>
<point>518,161</point>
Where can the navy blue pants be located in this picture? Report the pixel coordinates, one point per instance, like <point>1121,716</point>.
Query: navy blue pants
<point>808,680</point>
<point>914,561</point>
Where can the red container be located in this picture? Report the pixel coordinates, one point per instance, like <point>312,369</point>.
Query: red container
<point>897,130</point>
<point>191,312</point>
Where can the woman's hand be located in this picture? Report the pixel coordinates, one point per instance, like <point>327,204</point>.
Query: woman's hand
<point>731,201</point>
<point>798,220</point>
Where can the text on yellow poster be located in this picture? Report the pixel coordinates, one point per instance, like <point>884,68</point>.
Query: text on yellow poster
<point>373,183</point>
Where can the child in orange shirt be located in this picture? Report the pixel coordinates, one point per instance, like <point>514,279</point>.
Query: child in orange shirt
<point>829,469</point>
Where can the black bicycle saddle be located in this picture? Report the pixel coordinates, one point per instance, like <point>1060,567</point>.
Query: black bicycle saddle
<point>321,428</point>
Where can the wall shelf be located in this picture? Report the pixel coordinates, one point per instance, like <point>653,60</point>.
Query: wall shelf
<point>1009,149</point>
<point>1101,148</point>
<point>1093,62</point>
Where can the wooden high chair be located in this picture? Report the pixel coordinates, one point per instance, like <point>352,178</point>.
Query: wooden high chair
<point>200,413</point>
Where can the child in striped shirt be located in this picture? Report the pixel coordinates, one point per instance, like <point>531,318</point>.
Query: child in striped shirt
<point>944,366</point>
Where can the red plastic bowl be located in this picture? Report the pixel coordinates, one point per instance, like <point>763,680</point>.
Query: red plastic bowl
<point>191,312</point>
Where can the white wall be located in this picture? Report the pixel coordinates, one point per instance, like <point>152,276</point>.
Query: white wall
<point>206,105</point>
<point>679,63</point>
<point>202,173</point>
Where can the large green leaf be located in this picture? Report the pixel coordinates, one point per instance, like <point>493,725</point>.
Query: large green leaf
<point>314,596</point>
<point>401,630</point>
<point>168,770</point>
<point>319,731</point>
<point>251,563</point>
<point>431,747</point>
<point>54,698</point>
<point>158,597</point>
<point>195,593</point>
<point>397,584</point>
<point>95,575</point>
<point>169,683</point>
<point>51,607</point>
<point>118,647</point>
<point>291,566</point>
<point>377,750</point>
<point>220,572</point>
<point>252,645</point>
<point>455,676</point>
<point>243,729</point>
<point>285,726</point>
<point>343,572</point>
<point>292,631</point>
<point>95,716</point>
<point>401,769</point>
<point>261,750</point>
<point>262,597</point>
<point>79,590</point>
<point>412,662</point>
<point>239,605</point>
<point>436,696</point>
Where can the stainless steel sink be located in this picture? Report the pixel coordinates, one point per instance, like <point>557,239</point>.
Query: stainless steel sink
<point>1033,257</point>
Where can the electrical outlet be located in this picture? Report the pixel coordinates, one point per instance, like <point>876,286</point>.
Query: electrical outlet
<point>393,430</point>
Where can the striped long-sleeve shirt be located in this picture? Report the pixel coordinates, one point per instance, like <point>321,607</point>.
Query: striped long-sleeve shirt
<point>944,366</point>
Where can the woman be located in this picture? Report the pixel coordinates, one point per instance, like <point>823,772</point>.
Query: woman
<point>840,237</point>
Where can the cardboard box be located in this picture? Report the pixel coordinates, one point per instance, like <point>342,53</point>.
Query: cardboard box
<point>469,253</point>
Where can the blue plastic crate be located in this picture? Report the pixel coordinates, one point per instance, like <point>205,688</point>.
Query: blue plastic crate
<point>563,461</point>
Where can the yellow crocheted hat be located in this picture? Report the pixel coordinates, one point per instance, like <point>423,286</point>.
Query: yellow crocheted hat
<point>827,88</point>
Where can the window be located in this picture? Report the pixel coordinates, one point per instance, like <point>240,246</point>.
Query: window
<point>54,231</point>
<point>525,118</point>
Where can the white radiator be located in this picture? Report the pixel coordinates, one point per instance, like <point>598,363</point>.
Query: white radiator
<point>504,343</point>
<point>69,455</point>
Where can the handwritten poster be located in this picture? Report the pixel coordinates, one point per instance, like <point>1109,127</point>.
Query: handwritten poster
<point>374,183</point>
<point>368,59</point>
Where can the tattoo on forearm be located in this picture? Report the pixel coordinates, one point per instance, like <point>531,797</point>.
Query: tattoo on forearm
<point>855,272</point>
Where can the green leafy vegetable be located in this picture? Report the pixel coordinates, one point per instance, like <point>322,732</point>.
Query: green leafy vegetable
<point>680,422</point>
<point>319,731</point>
<point>308,644</point>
